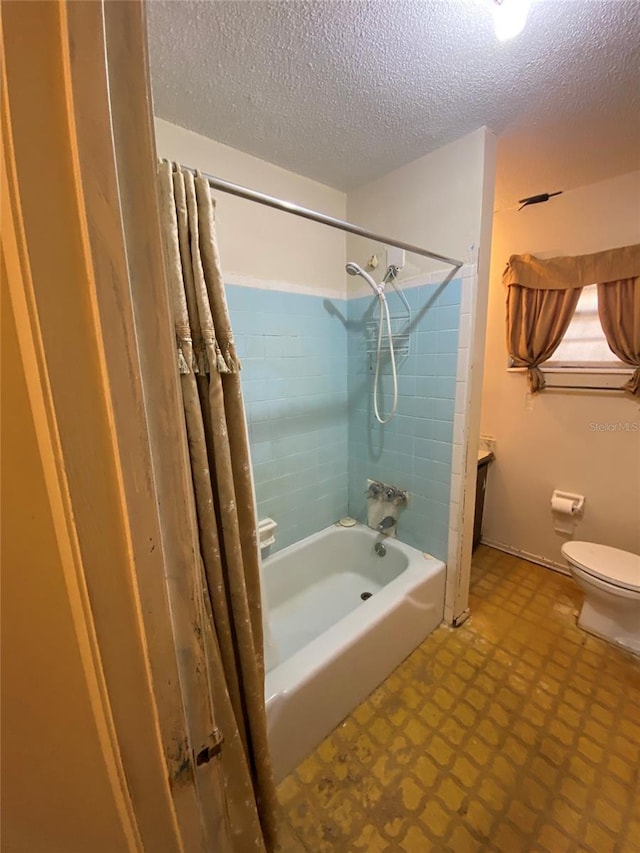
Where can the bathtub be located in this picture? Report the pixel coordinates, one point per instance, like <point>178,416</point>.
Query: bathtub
<point>334,648</point>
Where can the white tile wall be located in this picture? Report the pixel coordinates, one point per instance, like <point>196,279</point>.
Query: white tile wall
<point>460,425</point>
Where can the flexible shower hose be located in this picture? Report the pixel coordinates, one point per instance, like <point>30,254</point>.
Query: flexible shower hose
<point>384,309</point>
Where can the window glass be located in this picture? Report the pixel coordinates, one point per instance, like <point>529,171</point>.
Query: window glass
<point>584,343</point>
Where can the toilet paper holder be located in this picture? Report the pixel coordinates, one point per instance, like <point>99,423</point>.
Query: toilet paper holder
<point>567,503</point>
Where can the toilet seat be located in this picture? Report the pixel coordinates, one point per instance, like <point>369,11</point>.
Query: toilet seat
<point>619,568</point>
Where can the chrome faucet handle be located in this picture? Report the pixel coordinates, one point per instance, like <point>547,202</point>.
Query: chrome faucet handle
<point>375,489</point>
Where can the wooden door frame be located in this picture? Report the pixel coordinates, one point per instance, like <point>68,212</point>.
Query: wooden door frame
<point>78,109</point>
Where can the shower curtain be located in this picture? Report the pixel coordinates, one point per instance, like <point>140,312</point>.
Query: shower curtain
<point>223,498</point>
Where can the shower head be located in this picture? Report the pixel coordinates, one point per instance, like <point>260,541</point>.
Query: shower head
<point>354,269</point>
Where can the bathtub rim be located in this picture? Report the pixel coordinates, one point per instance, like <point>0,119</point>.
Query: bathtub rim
<point>304,664</point>
<point>389,541</point>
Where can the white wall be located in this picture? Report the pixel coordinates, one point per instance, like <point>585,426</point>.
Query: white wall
<point>549,442</point>
<point>433,202</point>
<point>260,246</point>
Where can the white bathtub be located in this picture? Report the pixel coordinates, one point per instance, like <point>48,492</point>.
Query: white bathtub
<point>333,647</point>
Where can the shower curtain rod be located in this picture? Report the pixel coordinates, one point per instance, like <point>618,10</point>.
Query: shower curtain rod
<point>289,207</point>
<point>584,387</point>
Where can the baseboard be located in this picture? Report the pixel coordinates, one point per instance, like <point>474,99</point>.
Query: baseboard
<point>525,555</point>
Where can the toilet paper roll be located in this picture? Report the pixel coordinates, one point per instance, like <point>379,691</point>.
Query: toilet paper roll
<point>563,506</point>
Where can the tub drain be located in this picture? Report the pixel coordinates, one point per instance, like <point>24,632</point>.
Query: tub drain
<point>365,595</point>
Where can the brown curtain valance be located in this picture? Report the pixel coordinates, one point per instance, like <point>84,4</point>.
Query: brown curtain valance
<point>569,272</point>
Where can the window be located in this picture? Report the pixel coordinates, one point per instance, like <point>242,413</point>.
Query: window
<point>584,344</point>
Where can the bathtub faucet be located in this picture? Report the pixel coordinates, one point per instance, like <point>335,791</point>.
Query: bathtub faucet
<point>387,522</point>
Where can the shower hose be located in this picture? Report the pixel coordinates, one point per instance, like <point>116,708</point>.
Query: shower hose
<point>384,316</point>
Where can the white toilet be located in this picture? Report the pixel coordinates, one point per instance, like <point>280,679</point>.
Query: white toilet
<point>610,580</point>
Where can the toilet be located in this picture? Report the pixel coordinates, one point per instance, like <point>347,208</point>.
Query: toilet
<point>610,580</point>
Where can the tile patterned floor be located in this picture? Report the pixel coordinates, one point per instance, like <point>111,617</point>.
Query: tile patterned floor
<point>515,732</point>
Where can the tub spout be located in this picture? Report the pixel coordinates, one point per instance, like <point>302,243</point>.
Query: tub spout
<point>387,522</point>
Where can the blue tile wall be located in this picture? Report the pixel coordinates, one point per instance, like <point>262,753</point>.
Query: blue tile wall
<point>307,379</point>
<point>414,450</point>
<point>293,349</point>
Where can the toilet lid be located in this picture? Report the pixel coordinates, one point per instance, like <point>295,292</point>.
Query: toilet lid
<point>620,568</point>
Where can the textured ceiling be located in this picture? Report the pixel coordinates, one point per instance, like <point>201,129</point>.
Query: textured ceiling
<point>346,91</point>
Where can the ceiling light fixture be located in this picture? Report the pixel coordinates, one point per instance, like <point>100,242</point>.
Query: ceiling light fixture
<point>509,17</point>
